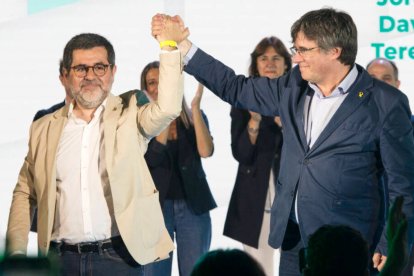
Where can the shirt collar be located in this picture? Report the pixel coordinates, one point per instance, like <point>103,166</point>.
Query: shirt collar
<point>342,88</point>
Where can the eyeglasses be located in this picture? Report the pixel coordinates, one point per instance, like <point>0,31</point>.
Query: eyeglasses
<point>301,50</point>
<point>82,70</point>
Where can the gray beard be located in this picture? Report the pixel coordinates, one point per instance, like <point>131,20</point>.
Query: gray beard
<point>90,104</point>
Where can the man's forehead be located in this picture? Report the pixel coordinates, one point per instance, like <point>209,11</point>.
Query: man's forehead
<point>95,52</point>
<point>301,38</point>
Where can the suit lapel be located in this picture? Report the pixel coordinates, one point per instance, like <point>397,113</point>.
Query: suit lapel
<point>299,117</point>
<point>358,93</point>
<point>110,121</point>
<point>54,132</point>
<point>296,105</point>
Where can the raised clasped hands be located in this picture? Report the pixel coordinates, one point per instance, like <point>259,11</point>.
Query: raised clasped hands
<point>165,27</point>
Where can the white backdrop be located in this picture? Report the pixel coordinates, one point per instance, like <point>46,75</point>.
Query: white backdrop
<point>31,46</point>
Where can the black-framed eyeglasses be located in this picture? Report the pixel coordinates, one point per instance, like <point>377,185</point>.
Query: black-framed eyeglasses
<point>82,70</point>
<point>301,50</point>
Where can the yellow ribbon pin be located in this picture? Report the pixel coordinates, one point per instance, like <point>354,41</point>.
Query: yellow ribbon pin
<point>360,94</point>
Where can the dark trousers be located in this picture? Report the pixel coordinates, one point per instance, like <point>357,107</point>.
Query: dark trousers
<point>289,255</point>
<point>114,260</point>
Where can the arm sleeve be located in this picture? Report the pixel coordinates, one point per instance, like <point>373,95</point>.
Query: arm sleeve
<point>243,150</point>
<point>261,95</point>
<point>156,154</point>
<point>22,209</point>
<point>154,117</point>
<point>397,154</point>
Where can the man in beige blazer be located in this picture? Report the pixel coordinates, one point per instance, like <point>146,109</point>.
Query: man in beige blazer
<point>98,208</point>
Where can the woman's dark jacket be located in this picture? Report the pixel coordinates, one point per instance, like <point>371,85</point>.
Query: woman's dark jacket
<point>247,204</point>
<point>161,162</point>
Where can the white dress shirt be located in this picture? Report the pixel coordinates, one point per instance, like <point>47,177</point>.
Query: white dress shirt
<point>84,207</point>
<point>319,109</point>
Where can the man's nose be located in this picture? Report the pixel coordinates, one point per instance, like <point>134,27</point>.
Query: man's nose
<point>296,58</point>
<point>90,74</point>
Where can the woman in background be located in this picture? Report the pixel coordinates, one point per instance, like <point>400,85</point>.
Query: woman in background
<point>256,145</point>
<point>173,158</point>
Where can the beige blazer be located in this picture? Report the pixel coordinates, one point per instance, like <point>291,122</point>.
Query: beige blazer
<point>127,130</point>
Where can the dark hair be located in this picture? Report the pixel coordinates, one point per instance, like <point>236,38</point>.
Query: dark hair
<point>394,66</point>
<point>330,29</point>
<point>227,262</point>
<point>149,66</point>
<point>86,41</point>
<point>261,48</point>
<point>336,250</point>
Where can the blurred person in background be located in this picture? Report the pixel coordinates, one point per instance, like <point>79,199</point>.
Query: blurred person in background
<point>256,145</point>
<point>227,262</point>
<point>174,160</point>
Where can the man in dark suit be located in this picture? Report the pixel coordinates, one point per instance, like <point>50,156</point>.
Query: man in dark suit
<point>387,71</point>
<point>340,127</point>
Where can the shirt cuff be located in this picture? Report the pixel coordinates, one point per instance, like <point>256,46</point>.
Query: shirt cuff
<point>190,54</point>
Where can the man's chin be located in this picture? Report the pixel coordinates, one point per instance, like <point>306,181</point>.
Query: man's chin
<point>304,75</point>
<point>90,103</point>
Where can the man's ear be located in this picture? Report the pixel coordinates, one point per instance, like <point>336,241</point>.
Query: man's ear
<point>336,52</point>
<point>65,73</point>
<point>113,69</point>
<point>62,80</point>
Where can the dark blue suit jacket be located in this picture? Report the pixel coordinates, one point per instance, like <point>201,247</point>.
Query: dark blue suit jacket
<point>337,180</point>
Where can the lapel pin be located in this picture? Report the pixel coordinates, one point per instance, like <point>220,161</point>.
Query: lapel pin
<point>360,94</point>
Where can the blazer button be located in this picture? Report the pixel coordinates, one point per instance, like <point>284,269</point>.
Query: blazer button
<point>184,168</point>
<point>248,171</point>
<point>306,162</point>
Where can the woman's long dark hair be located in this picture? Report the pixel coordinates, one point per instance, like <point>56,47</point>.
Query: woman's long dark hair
<point>261,48</point>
